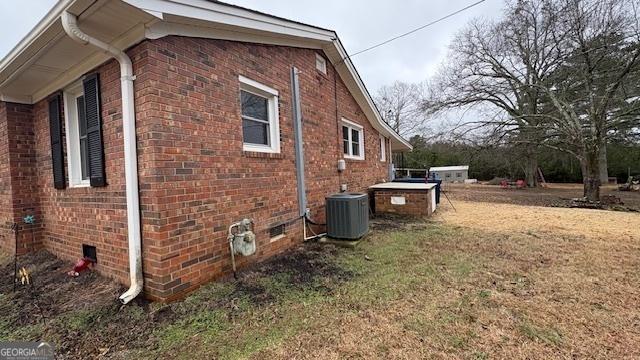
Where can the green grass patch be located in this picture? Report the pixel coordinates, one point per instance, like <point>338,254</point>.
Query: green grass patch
<point>547,335</point>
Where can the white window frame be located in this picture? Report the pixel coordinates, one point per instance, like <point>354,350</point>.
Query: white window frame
<point>352,126</point>
<point>271,95</point>
<point>72,135</point>
<point>321,64</point>
<point>383,148</point>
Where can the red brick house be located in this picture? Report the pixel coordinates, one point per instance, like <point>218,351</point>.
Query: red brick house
<point>141,129</point>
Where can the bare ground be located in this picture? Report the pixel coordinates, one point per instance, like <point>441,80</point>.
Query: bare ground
<point>497,278</point>
<point>554,195</point>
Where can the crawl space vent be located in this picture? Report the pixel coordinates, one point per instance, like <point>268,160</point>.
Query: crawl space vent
<point>276,231</point>
<point>90,252</point>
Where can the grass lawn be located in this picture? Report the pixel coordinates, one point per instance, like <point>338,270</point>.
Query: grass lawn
<point>487,281</point>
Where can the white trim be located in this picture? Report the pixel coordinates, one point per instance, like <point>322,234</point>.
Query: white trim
<point>360,129</point>
<point>72,135</point>
<point>41,27</point>
<point>16,99</point>
<point>256,85</point>
<point>230,15</point>
<point>383,148</point>
<point>352,124</point>
<point>214,20</point>
<point>277,237</point>
<point>91,62</point>
<point>450,168</point>
<point>271,95</point>
<point>343,65</point>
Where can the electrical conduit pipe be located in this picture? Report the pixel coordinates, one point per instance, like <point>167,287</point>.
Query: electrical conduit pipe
<point>70,25</point>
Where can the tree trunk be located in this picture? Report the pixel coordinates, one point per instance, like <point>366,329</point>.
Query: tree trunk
<point>604,173</point>
<point>591,177</point>
<point>531,168</point>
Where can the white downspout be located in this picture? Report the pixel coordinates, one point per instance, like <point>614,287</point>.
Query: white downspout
<point>70,24</point>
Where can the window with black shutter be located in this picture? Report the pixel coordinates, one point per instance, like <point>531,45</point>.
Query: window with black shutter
<point>95,152</point>
<point>57,153</point>
<point>85,153</point>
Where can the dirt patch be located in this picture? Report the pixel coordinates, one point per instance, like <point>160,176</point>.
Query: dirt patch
<point>310,267</point>
<point>554,195</point>
<point>51,291</point>
<point>393,222</point>
<point>83,318</point>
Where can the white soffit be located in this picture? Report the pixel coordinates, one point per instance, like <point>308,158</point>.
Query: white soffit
<point>47,56</point>
<point>47,59</point>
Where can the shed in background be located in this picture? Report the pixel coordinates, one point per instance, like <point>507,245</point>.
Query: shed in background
<point>451,173</point>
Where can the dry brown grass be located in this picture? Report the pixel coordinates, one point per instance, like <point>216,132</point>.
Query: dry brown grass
<point>508,282</point>
<point>611,227</point>
<point>492,280</point>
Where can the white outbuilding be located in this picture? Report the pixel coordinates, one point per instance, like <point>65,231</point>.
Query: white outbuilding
<point>451,173</point>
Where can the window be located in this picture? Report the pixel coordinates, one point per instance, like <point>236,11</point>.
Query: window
<point>458,175</point>
<point>76,125</point>
<point>259,111</point>
<point>352,140</point>
<point>383,148</point>
<point>447,175</point>
<point>321,64</point>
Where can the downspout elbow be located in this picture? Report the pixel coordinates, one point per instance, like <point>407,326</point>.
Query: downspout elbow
<point>70,25</point>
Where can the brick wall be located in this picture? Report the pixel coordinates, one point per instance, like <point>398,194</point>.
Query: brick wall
<point>18,190</point>
<point>195,179</point>
<point>417,203</point>
<point>84,215</point>
<point>7,237</point>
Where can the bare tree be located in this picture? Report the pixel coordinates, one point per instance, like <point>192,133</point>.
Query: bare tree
<point>592,96</point>
<point>401,107</point>
<point>501,65</point>
<point>557,71</point>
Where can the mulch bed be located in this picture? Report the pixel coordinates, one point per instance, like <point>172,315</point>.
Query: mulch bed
<point>53,295</point>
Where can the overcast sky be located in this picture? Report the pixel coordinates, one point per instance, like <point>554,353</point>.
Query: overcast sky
<point>359,23</point>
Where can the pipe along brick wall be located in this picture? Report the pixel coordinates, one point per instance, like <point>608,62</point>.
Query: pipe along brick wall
<point>195,178</point>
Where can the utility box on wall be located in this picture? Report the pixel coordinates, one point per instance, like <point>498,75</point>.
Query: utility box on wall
<point>347,215</point>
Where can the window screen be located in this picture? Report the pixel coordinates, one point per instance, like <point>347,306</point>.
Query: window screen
<point>255,118</point>
<point>82,132</point>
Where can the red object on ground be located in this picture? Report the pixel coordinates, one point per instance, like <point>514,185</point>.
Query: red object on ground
<point>504,184</point>
<point>521,184</point>
<point>80,266</point>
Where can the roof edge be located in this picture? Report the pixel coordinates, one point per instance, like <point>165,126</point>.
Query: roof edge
<point>216,11</point>
<point>42,25</point>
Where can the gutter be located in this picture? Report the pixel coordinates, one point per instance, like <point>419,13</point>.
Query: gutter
<point>70,24</point>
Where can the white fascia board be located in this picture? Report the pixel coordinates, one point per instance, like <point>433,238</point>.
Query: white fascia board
<point>41,27</point>
<point>16,99</point>
<point>177,26</point>
<point>230,15</point>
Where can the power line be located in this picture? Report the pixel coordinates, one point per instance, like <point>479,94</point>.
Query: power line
<point>417,29</point>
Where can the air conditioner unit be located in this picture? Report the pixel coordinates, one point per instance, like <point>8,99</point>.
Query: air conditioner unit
<point>347,215</point>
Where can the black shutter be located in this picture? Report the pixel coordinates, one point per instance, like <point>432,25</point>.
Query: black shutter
<point>93,113</point>
<point>55,131</point>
